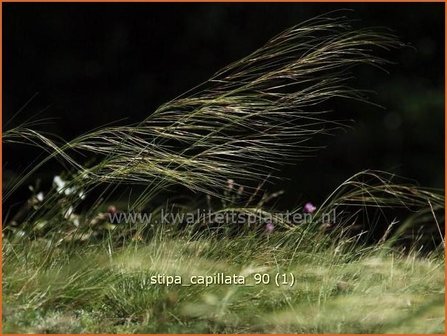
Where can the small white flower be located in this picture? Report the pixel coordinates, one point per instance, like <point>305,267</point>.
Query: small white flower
<point>69,191</point>
<point>68,212</point>
<point>61,187</point>
<point>76,221</point>
<point>59,183</point>
<point>39,196</point>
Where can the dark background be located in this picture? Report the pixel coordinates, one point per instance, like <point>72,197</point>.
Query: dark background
<point>91,64</point>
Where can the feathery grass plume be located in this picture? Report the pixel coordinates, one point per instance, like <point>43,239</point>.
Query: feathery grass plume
<point>392,200</point>
<point>378,188</point>
<point>261,110</point>
<point>25,135</point>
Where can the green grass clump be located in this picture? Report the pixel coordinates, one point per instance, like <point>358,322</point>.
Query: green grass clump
<point>96,288</point>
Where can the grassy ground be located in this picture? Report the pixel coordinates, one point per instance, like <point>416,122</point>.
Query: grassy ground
<point>338,288</point>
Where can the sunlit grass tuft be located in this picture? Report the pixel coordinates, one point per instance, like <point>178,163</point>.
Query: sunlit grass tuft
<point>368,290</point>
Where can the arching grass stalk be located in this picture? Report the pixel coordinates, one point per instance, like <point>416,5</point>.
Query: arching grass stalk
<point>260,111</point>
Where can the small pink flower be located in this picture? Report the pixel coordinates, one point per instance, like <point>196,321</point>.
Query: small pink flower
<point>111,209</point>
<point>269,227</point>
<point>309,207</point>
<point>240,190</point>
